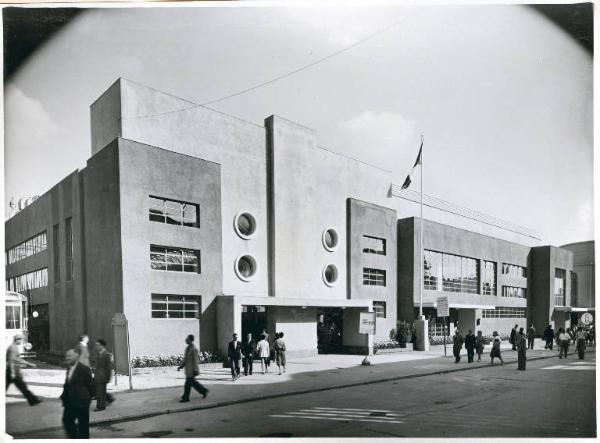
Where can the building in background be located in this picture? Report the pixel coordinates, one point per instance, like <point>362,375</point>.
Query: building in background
<point>188,220</point>
<point>584,278</point>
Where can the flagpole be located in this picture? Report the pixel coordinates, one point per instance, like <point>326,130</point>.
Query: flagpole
<point>421,239</point>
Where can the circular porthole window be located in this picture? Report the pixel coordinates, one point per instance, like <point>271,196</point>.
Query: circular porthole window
<point>330,275</point>
<point>246,267</point>
<point>245,225</point>
<point>330,239</point>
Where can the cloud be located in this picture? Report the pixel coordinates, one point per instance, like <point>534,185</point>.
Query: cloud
<point>384,139</point>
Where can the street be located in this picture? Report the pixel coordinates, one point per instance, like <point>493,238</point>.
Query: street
<point>553,398</point>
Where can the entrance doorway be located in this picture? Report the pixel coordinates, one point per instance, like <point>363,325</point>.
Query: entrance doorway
<point>254,320</point>
<point>330,328</point>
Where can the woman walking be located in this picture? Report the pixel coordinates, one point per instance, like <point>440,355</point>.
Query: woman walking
<point>496,348</point>
<point>263,351</point>
<point>479,344</point>
<point>457,346</point>
<point>279,346</point>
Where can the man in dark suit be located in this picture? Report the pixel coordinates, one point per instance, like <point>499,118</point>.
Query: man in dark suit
<point>76,397</point>
<point>234,354</point>
<point>102,375</point>
<point>248,349</point>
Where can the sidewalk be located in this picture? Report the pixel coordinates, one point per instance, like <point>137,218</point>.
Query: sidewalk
<point>160,394</point>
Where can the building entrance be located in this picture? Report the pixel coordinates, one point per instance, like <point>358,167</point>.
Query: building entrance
<point>330,327</point>
<point>254,321</point>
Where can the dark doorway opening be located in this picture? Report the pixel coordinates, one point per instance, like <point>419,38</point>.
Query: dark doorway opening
<point>254,320</point>
<point>330,328</point>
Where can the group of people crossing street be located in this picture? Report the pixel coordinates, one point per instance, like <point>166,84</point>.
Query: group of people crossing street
<point>248,350</point>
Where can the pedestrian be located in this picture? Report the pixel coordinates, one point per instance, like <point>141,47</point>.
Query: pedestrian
<point>530,336</point>
<point>457,346</point>
<point>513,337</point>
<point>248,349</point>
<point>548,337</point>
<point>563,342</point>
<point>272,348</point>
<point>191,360</point>
<point>234,355</point>
<point>495,352</point>
<point>263,351</point>
<point>13,370</point>
<point>102,375</point>
<point>581,339</point>
<point>479,344</point>
<point>521,350</point>
<point>279,346</point>
<point>82,349</point>
<point>76,397</point>
<point>592,335</point>
<point>571,333</point>
<point>470,343</point>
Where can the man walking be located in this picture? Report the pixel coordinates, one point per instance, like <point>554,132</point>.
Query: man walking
<point>548,337</point>
<point>234,355</point>
<point>513,337</point>
<point>76,397</point>
<point>563,342</point>
<point>13,370</point>
<point>83,351</point>
<point>102,375</point>
<point>191,360</point>
<point>470,343</point>
<point>521,350</point>
<point>530,337</point>
<point>457,346</point>
<point>248,349</point>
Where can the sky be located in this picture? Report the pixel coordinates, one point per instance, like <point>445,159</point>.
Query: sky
<point>502,96</point>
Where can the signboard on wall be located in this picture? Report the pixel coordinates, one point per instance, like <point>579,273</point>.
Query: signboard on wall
<point>443,309</point>
<point>367,323</point>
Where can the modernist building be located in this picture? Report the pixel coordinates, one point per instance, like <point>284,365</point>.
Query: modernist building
<point>188,220</point>
<point>583,287</point>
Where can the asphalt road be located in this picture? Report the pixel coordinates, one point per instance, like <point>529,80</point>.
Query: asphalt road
<point>553,398</point>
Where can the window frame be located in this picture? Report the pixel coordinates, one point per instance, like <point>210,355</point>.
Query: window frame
<point>178,299</point>
<point>174,257</point>
<point>374,277</point>
<point>382,305</point>
<point>378,251</point>
<point>170,213</point>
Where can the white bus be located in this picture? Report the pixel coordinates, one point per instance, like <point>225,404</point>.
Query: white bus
<point>16,319</point>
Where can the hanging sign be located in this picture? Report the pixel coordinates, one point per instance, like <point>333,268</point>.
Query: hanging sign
<point>443,309</point>
<point>367,323</point>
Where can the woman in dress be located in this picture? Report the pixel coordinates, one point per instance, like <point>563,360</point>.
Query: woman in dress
<point>496,348</point>
<point>263,352</point>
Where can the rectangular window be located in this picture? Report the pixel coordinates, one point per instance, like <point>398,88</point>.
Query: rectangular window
<point>69,248</point>
<point>379,308</point>
<point>574,289</point>
<point>559,287</point>
<point>373,245</point>
<point>13,317</point>
<point>25,282</point>
<point>174,212</point>
<point>163,258</point>
<point>489,278</point>
<point>373,277</point>
<point>29,247</point>
<point>451,273</point>
<point>55,252</point>
<point>514,270</point>
<point>510,291</point>
<point>175,306</point>
<point>504,312</point>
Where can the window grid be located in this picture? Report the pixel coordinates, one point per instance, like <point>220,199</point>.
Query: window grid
<point>56,252</point>
<point>173,212</point>
<point>456,273</point>
<point>28,248</point>
<point>514,270</point>
<point>374,277</point>
<point>373,245</point>
<point>175,306</point>
<point>13,317</point>
<point>559,287</point>
<point>504,312</point>
<point>511,291</point>
<point>69,248</point>
<point>379,307</point>
<point>31,280</point>
<point>164,258</point>
<point>489,278</point>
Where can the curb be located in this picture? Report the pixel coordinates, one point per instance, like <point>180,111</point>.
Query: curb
<point>220,404</point>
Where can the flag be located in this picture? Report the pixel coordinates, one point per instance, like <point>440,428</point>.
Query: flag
<point>408,180</point>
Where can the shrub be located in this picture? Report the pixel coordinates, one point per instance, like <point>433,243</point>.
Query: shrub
<point>162,360</point>
<point>403,333</point>
<point>385,344</point>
